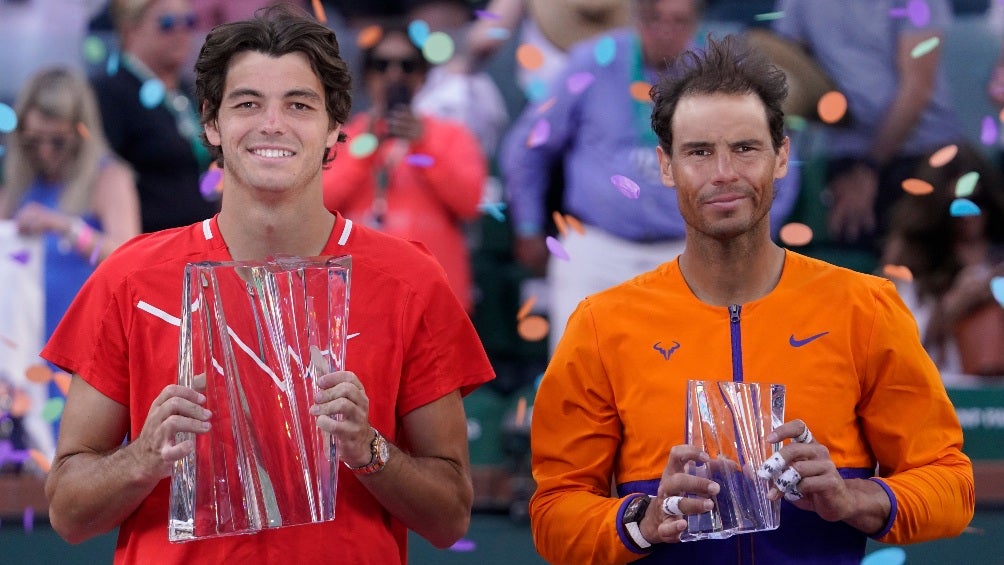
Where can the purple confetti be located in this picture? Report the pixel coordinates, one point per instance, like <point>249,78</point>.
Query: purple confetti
<point>420,160</point>
<point>918,12</point>
<point>21,257</point>
<point>579,82</point>
<point>486,15</point>
<point>988,130</point>
<point>464,545</point>
<point>209,182</point>
<point>627,186</point>
<point>29,519</point>
<point>554,246</point>
<point>539,134</point>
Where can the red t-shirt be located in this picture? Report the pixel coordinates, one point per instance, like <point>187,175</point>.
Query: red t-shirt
<point>411,343</point>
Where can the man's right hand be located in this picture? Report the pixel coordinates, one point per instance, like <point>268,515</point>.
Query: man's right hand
<point>177,409</point>
<point>531,252</point>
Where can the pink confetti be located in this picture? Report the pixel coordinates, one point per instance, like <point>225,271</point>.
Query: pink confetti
<point>21,257</point>
<point>464,545</point>
<point>209,182</point>
<point>539,134</point>
<point>988,130</point>
<point>554,246</point>
<point>420,160</point>
<point>627,186</point>
<point>579,82</point>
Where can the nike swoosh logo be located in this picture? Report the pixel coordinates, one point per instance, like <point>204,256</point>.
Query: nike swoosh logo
<point>800,342</point>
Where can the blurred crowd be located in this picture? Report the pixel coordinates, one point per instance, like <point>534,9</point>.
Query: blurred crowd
<point>513,139</point>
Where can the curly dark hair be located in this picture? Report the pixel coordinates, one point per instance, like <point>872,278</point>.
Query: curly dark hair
<point>274,31</point>
<point>723,67</point>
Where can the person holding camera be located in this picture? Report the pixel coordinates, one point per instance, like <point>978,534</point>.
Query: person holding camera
<point>414,176</point>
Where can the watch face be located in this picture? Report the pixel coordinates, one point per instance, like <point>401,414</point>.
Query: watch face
<point>383,451</point>
<point>636,509</point>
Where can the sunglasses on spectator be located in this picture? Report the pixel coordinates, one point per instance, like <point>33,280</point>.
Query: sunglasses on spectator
<point>58,143</point>
<point>407,66</point>
<point>167,22</point>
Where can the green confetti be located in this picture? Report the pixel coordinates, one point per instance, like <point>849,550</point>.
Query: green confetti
<point>966,184</point>
<point>53,409</point>
<point>438,48</point>
<point>768,16</point>
<point>925,47</point>
<point>94,50</point>
<point>363,145</point>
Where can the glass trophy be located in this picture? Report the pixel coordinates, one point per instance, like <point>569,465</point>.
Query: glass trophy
<point>254,336</point>
<point>730,420</point>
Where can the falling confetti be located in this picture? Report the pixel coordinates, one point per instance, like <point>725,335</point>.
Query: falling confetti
<point>498,33</point>
<point>575,224</point>
<point>493,209</point>
<point>94,50</point>
<point>897,272</point>
<point>418,31</point>
<point>211,181</point>
<point>578,82</point>
<point>556,249</point>
<point>420,160</point>
<point>62,381</point>
<point>988,130</point>
<point>369,36</point>
<point>795,123</point>
<point>38,373</point>
<point>536,89</point>
<point>363,145</point>
<point>943,156</point>
<point>796,234</point>
<point>605,50</point>
<point>8,118</point>
<point>21,257</point>
<point>966,184</point>
<point>152,93</point>
<point>831,107</point>
<point>627,186</point>
<point>53,409</point>
<point>918,12</point>
<point>546,105</point>
<point>540,133</point>
<point>640,91</point>
<point>533,328</point>
<point>464,545</point>
<point>319,11</point>
<point>526,308</point>
<point>997,288</point>
<point>925,47</point>
<point>529,56</point>
<point>10,343</point>
<point>962,207</point>
<point>29,519</point>
<point>40,459</point>
<point>768,16</point>
<point>559,222</point>
<point>83,131</point>
<point>886,556</point>
<point>112,64</point>
<point>438,48</point>
<point>486,15</point>
<point>520,419</point>
<point>917,187</point>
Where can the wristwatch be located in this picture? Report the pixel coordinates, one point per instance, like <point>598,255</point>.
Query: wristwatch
<point>633,515</point>
<point>380,453</point>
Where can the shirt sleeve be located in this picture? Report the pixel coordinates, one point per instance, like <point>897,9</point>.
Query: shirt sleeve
<point>912,428</point>
<point>574,439</point>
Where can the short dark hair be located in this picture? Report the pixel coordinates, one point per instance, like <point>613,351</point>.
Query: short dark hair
<point>723,67</point>
<point>274,31</point>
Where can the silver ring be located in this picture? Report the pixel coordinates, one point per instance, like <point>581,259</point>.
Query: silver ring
<point>671,505</point>
<point>804,437</point>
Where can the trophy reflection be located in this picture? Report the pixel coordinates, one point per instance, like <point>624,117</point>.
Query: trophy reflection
<point>254,336</point>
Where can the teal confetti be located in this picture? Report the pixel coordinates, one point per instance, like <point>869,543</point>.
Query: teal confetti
<point>8,118</point>
<point>494,209</point>
<point>967,184</point>
<point>886,556</point>
<point>768,16</point>
<point>152,93</point>
<point>925,47</point>
<point>418,31</point>
<point>605,50</point>
<point>997,288</point>
<point>53,409</point>
<point>112,64</point>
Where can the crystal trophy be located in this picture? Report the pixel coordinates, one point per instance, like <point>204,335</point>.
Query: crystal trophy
<point>730,420</point>
<point>254,336</point>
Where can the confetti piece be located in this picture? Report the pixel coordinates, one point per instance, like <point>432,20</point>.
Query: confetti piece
<point>536,89</point>
<point>29,519</point>
<point>962,207</point>
<point>112,64</point>
<point>885,556</point>
<point>627,186</point>
<point>53,409</point>
<point>62,381</point>
<point>420,160</point>
<point>94,50</point>
<point>8,118</point>
<point>556,249</point>
<point>943,156</point>
<point>546,105</point>
<point>40,459</point>
<point>831,107</point>
<point>605,50</point>
<point>997,288</point>
<point>526,308</point>
<point>768,16</point>
<point>82,130</point>
<point>369,36</point>
<point>533,328</point>
<point>795,123</point>
<point>925,47</point>
<point>438,48</point>
<point>152,93</point>
<point>578,82</point>
<point>319,11</point>
<point>988,130</point>
<point>464,545</point>
<point>918,12</point>
<point>210,182</point>
<point>1001,115</point>
<point>520,419</point>
<point>575,224</point>
<point>20,404</point>
<point>498,33</point>
<point>966,184</point>
<point>559,222</point>
<point>38,373</point>
<point>540,133</point>
<point>22,257</point>
<point>363,145</point>
<point>897,272</point>
<point>494,209</point>
<point>640,91</point>
<point>486,15</point>
<point>418,32</point>
<point>917,187</point>
<point>529,56</point>
<point>796,234</point>
<point>8,342</point>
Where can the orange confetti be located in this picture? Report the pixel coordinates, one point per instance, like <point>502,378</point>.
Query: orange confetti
<point>796,234</point>
<point>521,411</point>
<point>62,381</point>
<point>897,272</point>
<point>575,224</point>
<point>20,404</point>
<point>83,131</point>
<point>1001,116</point>
<point>525,309</point>
<point>369,36</point>
<point>533,328</point>
<point>546,105</point>
<point>640,91</point>
<point>917,187</point>
<point>559,222</point>
<point>41,460</point>
<point>943,156</point>
<point>40,374</point>
<point>831,107</point>
<point>319,11</point>
<point>530,57</point>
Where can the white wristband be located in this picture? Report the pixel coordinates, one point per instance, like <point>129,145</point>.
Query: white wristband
<point>635,532</point>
